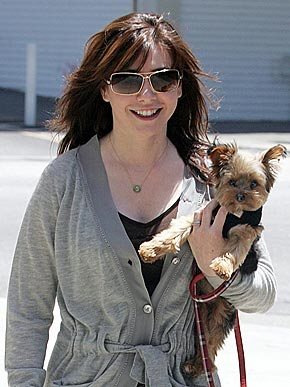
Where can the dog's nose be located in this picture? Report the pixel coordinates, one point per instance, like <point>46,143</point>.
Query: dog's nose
<point>240,197</point>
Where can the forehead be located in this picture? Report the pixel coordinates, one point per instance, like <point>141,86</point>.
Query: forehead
<point>158,58</point>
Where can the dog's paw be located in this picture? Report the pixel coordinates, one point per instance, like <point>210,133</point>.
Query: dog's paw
<point>148,254</point>
<point>223,267</point>
<point>155,249</point>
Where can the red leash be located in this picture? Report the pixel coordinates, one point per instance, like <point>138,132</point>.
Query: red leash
<point>241,355</point>
<point>197,299</point>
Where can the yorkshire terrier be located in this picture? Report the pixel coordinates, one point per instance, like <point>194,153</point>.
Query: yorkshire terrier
<point>242,184</point>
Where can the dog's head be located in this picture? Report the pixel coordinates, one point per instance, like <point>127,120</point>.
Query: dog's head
<point>242,181</point>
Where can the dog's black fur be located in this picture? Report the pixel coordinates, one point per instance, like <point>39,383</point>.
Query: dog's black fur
<point>253,218</point>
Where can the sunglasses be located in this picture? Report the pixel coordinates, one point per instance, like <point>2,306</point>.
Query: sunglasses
<point>162,81</point>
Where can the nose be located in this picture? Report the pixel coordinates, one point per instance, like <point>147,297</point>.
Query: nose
<point>240,197</point>
<point>146,92</point>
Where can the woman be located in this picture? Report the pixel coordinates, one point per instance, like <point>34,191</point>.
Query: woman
<point>134,120</point>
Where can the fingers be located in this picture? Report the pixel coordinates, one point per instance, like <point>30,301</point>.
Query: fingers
<point>197,218</point>
<point>207,216</point>
<point>203,217</point>
<point>198,215</point>
<point>220,218</point>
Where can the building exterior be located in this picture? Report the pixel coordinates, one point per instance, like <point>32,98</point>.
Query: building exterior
<point>244,42</point>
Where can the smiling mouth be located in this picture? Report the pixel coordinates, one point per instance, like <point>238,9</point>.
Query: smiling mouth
<point>147,114</point>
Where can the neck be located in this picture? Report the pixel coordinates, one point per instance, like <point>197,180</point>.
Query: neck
<point>139,152</point>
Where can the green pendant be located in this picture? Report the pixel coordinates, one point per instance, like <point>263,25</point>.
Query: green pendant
<point>137,188</point>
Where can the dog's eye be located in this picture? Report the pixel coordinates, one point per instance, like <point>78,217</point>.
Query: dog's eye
<point>232,182</point>
<point>253,184</point>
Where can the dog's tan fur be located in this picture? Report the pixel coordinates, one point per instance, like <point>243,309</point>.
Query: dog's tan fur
<point>242,183</point>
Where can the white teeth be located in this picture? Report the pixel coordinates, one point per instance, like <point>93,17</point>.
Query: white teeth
<point>146,113</point>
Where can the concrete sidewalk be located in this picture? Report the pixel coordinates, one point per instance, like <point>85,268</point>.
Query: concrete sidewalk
<point>266,344</point>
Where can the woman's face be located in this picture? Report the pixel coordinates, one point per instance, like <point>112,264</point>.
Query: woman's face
<point>147,112</point>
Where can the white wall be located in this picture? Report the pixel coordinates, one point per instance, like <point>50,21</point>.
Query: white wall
<point>247,43</point>
<point>60,29</point>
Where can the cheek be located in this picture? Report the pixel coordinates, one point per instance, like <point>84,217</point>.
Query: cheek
<point>118,103</point>
<point>172,103</point>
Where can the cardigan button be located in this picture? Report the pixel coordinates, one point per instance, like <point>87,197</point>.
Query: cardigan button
<point>147,308</point>
<point>175,260</point>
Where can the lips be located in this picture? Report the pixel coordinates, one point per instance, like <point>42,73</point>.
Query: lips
<point>146,114</point>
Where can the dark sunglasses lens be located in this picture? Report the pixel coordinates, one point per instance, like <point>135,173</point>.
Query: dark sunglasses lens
<point>165,81</point>
<point>126,83</point>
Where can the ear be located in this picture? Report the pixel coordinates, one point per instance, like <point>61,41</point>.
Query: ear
<point>105,93</point>
<point>220,156</point>
<point>270,159</point>
<point>179,90</point>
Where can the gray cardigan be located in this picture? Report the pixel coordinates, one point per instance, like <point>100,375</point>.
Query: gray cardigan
<point>72,246</point>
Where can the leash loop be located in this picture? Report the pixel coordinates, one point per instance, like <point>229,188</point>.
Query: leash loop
<point>214,293</point>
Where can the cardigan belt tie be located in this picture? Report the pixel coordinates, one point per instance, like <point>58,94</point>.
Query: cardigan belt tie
<point>150,365</point>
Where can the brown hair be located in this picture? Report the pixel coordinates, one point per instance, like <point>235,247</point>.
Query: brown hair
<point>81,112</point>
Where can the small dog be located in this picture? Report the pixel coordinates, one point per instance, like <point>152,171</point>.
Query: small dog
<point>242,185</point>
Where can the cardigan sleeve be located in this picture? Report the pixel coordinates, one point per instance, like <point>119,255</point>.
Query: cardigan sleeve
<point>255,292</point>
<point>32,287</point>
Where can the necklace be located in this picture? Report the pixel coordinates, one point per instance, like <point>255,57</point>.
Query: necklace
<point>138,187</point>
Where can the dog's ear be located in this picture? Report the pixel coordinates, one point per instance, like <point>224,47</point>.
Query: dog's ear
<point>220,156</point>
<point>270,159</point>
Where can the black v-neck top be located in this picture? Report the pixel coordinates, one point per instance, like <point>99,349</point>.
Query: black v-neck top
<point>139,232</point>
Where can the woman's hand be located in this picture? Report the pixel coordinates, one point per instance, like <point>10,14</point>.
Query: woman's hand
<point>206,240</point>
